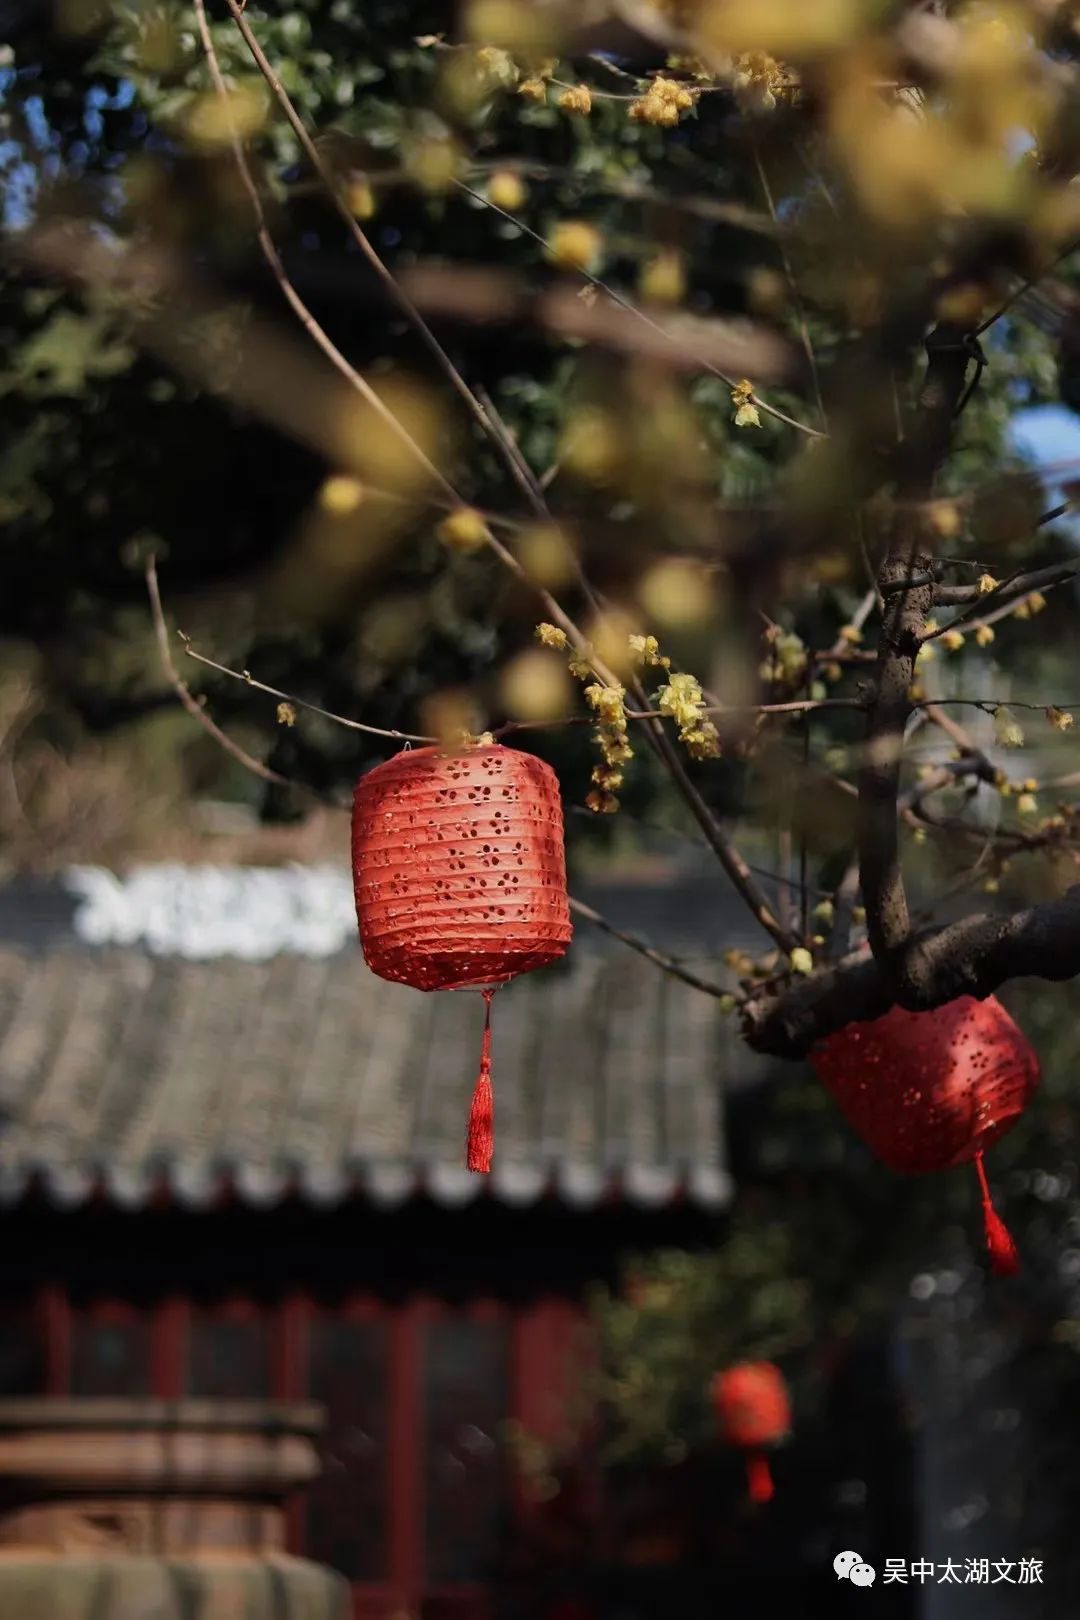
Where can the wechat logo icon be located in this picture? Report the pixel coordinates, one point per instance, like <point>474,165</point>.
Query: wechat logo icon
<point>849,1566</point>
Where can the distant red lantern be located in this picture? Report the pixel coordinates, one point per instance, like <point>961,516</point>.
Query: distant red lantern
<point>931,1090</point>
<point>753,1412</point>
<point>459,875</point>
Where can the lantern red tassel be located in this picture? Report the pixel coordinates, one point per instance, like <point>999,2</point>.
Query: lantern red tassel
<point>750,1401</point>
<point>931,1090</point>
<point>459,876</point>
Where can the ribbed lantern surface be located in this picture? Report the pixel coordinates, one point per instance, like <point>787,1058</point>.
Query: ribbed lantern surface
<point>458,867</point>
<point>753,1412</point>
<point>929,1090</point>
<point>751,1404</point>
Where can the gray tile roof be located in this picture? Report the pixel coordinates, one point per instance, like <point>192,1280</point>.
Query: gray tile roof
<point>124,1072</point>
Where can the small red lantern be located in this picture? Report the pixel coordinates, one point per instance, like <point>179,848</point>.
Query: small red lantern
<point>753,1412</point>
<point>459,876</point>
<point>931,1090</point>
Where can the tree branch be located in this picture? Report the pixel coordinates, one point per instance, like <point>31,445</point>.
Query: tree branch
<point>972,957</point>
<point>906,586</point>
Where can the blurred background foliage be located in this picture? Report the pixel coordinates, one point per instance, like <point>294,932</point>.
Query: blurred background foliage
<point>354,605</point>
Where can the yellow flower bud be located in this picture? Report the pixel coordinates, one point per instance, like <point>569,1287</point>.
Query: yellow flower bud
<point>575,244</point>
<point>1006,729</point>
<point>463,530</point>
<point>359,198</point>
<point>507,190</point>
<point>341,494</point>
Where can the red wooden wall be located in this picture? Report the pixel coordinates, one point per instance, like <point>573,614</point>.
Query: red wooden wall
<point>419,1499</point>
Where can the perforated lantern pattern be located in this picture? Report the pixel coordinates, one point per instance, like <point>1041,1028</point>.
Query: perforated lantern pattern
<point>929,1090</point>
<point>753,1411</point>
<point>458,867</point>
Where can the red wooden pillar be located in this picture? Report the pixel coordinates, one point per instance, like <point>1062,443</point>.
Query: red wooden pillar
<point>54,1314</point>
<point>405,1462</point>
<point>168,1348</point>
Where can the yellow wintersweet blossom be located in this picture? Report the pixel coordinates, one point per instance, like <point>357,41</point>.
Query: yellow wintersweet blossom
<point>497,65</point>
<point>359,198</point>
<point>463,530</point>
<point>533,89</point>
<point>986,583</point>
<point>663,278</point>
<point>787,657</point>
<point>746,412</point>
<point>952,640</point>
<point>286,714</point>
<point>684,702</point>
<point>1060,719</point>
<point>551,636</point>
<point>609,705</point>
<point>984,635</point>
<point>677,593</point>
<point>340,494</point>
<point>431,162</point>
<point>590,444</point>
<point>1036,602</point>
<point>801,960</point>
<point>602,804</point>
<point>577,100</point>
<point>851,634</point>
<point>213,121</point>
<point>944,518</point>
<point>646,650</point>
<point>507,190</point>
<point>662,103</point>
<point>1006,729</point>
<point>1027,804</point>
<point>574,244</point>
<point>758,82</point>
<point>535,687</point>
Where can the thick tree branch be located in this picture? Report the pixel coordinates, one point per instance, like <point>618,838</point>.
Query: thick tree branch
<point>1009,591</point>
<point>972,957</point>
<point>905,583</point>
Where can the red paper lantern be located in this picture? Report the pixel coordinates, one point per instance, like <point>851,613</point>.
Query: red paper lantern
<point>930,1090</point>
<point>459,875</point>
<point>753,1412</point>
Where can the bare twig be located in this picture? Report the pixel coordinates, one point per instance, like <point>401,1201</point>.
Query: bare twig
<point>793,286</point>
<point>386,277</point>
<point>667,332</point>
<point>270,253</point>
<point>667,963</point>
<point>191,703</point>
